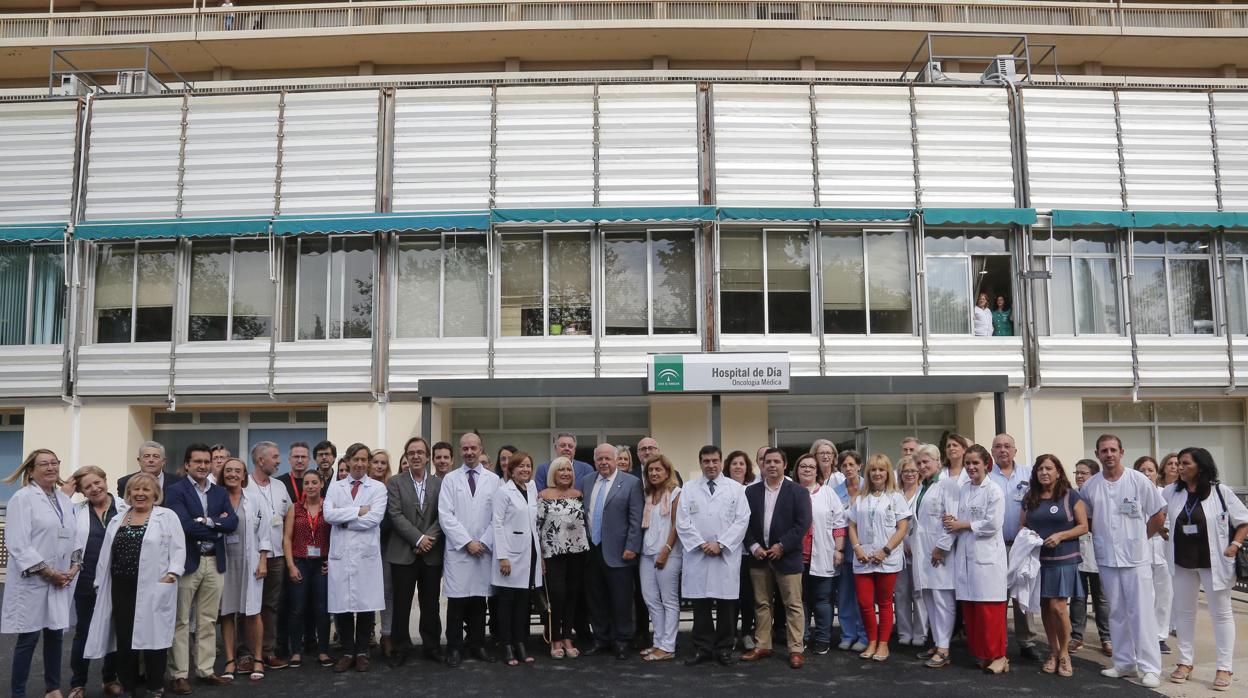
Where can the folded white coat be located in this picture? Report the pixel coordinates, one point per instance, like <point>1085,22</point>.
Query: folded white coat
<point>1023,578</point>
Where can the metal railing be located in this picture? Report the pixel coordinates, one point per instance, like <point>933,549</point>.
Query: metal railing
<point>312,17</point>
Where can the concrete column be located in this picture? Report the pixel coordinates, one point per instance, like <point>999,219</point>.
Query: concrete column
<point>402,423</point>
<point>682,425</point>
<point>109,436</point>
<point>744,423</point>
<point>51,427</point>
<point>350,422</point>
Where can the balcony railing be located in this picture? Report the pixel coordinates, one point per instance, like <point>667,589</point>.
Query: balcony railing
<point>418,13</point>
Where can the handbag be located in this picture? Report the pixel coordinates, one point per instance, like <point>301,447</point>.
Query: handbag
<point>1241,556</point>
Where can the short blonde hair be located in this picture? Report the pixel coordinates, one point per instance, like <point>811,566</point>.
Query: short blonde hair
<point>142,478</point>
<point>555,466</point>
<point>878,461</point>
<point>88,470</point>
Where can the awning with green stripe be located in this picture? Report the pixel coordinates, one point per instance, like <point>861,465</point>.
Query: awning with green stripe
<point>1151,219</point>
<point>1074,219</point>
<point>381,222</point>
<point>32,232</point>
<point>603,214</point>
<point>171,228</point>
<point>979,216</point>
<point>812,213</point>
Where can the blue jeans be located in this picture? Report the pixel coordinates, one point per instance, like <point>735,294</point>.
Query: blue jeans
<point>84,604</point>
<point>852,628</point>
<point>817,602</point>
<point>311,596</point>
<point>24,652</point>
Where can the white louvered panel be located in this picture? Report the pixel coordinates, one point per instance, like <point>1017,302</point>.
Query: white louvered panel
<point>133,167</point>
<point>964,147</point>
<point>36,161</point>
<point>1204,361</point>
<point>893,355</point>
<point>1231,117</point>
<point>803,349</point>
<point>625,355</point>
<point>963,356</point>
<point>343,366</point>
<point>648,152</point>
<point>123,369</point>
<point>534,357</point>
<point>1097,360</point>
<point>231,156</point>
<point>441,149</point>
<point>222,368</point>
<point>30,371</point>
<point>329,161</point>
<point>545,146</point>
<point>452,357</point>
<point>763,146</point>
<point>1168,150</point>
<point>865,158</point>
<point>1072,149</point>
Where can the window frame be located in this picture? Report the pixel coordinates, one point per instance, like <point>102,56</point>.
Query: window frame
<point>1239,262</point>
<point>969,256</point>
<point>135,246</point>
<point>862,233</point>
<point>395,272</point>
<point>296,277</point>
<point>275,267</point>
<point>595,287</point>
<point>1047,258</point>
<point>813,269</point>
<point>1165,256</point>
<point>649,232</point>
<point>28,319</point>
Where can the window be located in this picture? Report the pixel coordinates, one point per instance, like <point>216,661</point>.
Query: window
<point>876,427</point>
<point>650,280</point>
<point>1082,294</point>
<point>532,429</point>
<point>765,282</point>
<point>10,450</point>
<point>441,286</point>
<point>329,283</point>
<point>231,290</point>
<point>1236,248</point>
<point>1171,289</point>
<point>961,264</point>
<point>866,282</point>
<point>134,292</point>
<point>545,284</point>
<point>32,294</point>
<point>239,430</point>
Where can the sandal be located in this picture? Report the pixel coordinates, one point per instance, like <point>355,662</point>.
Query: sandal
<point>296,661</point>
<point>1050,665</point>
<point>77,692</point>
<point>938,660</point>
<point>647,651</point>
<point>1076,645</point>
<point>1223,681</point>
<point>1064,668</point>
<point>325,660</point>
<point>573,653</point>
<point>230,668</point>
<point>556,653</point>
<point>928,653</point>
<point>659,655</point>
<point>257,670</point>
<point>1180,674</point>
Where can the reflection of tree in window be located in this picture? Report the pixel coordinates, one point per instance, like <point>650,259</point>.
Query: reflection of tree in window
<point>674,278</point>
<point>569,283</point>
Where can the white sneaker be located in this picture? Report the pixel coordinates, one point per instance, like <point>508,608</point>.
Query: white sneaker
<point>1150,680</point>
<point>1113,673</point>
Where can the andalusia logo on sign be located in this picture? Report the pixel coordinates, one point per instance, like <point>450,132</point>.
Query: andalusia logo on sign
<point>669,373</point>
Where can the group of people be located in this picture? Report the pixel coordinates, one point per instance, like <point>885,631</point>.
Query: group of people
<point>606,552</point>
<point>991,321</point>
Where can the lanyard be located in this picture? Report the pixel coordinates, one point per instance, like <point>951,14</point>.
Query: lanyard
<point>294,484</point>
<point>314,521</point>
<point>1190,507</point>
<point>56,506</point>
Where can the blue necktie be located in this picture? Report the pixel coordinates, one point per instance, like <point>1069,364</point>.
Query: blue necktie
<point>600,500</point>
<point>472,482</point>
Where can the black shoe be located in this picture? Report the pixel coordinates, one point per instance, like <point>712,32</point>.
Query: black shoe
<point>453,659</point>
<point>1165,648</point>
<point>621,650</point>
<point>595,649</point>
<point>397,657</point>
<point>481,655</point>
<point>1029,652</point>
<point>435,654</point>
<point>822,648</point>
<point>725,658</point>
<point>699,658</point>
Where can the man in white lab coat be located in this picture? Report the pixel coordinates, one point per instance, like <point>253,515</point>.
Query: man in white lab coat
<point>1125,511</point>
<point>465,512</point>
<point>711,523</point>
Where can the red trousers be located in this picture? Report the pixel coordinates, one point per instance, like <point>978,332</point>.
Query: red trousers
<point>876,589</point>
<point>985,628</point>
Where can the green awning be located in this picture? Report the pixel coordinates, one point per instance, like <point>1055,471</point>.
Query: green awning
<point>1190,219</point>
<point>171,228</point>
<point>604,214</point>
<point>1073,219</point>
<point>32,232</point>
<point>381,222</point>
<point>812,213</point>
<point>979,216</point>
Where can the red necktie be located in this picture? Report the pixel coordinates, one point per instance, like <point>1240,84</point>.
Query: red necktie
<point>355,487</point>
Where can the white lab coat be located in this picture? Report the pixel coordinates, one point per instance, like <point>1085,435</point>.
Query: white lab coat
<point>876,518</point>
<point>82,523</point>
<point>278,502</point>
<point>1217,523</point>
<point>155,612</point>
<point>355,572</point>
<point>929,533</point>
<point>35,533</point>
<point>979,561</point>
<point>466,517</point>
<point>827,515</point>
<point>253,530</point>
<point>1118,512</point>
<point>515,535</point>
<point>1024,572</point>
<point>703,518</point>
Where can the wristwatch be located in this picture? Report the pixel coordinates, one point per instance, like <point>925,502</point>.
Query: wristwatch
<point>887,550</point>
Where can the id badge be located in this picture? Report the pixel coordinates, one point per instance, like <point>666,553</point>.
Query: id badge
<point>977,512</point>
<point>231,538</point>
<point>1190,529</point>
<point>693,507</point>
<point>63,534</point>
<point>277,521</point>
<point>314,551</point>
<point>1129,508</point>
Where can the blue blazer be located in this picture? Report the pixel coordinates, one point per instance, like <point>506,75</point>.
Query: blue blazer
<point>790,520</point>
<point>621,517</point>
<point>184,501</point>
<point>580,469</point>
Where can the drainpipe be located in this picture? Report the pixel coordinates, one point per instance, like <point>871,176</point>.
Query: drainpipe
<point>71,258</point>
<point>1221,242</point>
<point>916,224</point>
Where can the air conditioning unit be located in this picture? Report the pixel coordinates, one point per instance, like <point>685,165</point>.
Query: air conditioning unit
<point>932,72</point>
<point>1000,69</point>
<point>136,82</point>
<point>74,86</point>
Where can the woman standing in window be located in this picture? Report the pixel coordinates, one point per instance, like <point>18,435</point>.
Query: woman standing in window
<point>94,515</point>
<point>246,565</point>
<point>878,521</point>
<point>1163,591</point>
<point>1002,320</point>
<point>911,616</point>
<point>739,467</point>
<point>981,316</point>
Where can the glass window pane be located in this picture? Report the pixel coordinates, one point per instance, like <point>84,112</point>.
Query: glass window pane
<point>1096,287</point>
<point>1149,243</point>
<point>949,300</point>
<point>1136,441</point>
<point>1236,311</point>
<point>987,241</point>
<point>469,418</point>
<point>521,284</point>
<point>1187,243</point>
<point>47,302</point>
<point>1040,292</point>
<point>1236,243</point>
<point>1041,242</point>
<point>463,307</point>
<point>1094,241</point>
<point>420,262</point>
<point>313,288</point>
<point>1178,411</point>
<point>1061,298</point>
<point>937,241</point>
<point>569,292</point>
<point>1148,297</point>
<point>14,279</point>
<point>741,282</point>
<point>1131,412</point>
<point>844,284</point>
<point>526,418</point>
<point>253,292</point>
<point>1095,412</point>
<point>1061,241</point>
<point>354,257</point>
<point>624,259</point>
<point>114,292</point>
<point>934,415</point>
<point>888,255</point>
<point>1225,444</point>
<point>154,301</point>
<point>1222,411</point>
<point>882,415</point>
<point>674,275</point>
<point>788,281</point>
<point>1192,305</point>
<point>210,288</point>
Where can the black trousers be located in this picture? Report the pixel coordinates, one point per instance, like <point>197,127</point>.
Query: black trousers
<point>641,614</point>
<point>468,610</point>
<point>610,592</point>
<point>422,580</point>
<point>124,591</point>
<point>355,630</point>
<point>511,606</point>
<point>714,636</point>
<point>564,578</point>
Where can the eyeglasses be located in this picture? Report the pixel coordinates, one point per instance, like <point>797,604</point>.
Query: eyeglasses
<point>46,463</point>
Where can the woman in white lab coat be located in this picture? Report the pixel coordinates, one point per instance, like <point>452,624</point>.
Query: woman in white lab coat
<point>516,546</point>
<point>1159,543</point>
<point>96,510</point>
<point>979,561</point>
<point>878,521</point>
<point>44,558</point>
<point>1208,525</point>
<point>245,569</point>
<point>907,602</point>
<point>826,546</point>
<point>933,576</point>
<point>144,552</point>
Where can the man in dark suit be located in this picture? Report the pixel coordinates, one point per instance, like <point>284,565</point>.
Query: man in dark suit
<point>780,516</point>
<point>151,461</point>
<point>614,503</point>
<point>414,552</point>
<point>565,447</point>
<point>207,518</point>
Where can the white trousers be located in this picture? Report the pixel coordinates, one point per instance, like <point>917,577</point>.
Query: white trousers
<point>942,610</point>
<point>908,607</point>
<point>661,591</point>
<point>1163,594</point>
<point>1129,592</point>
<point>1187,585</point>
